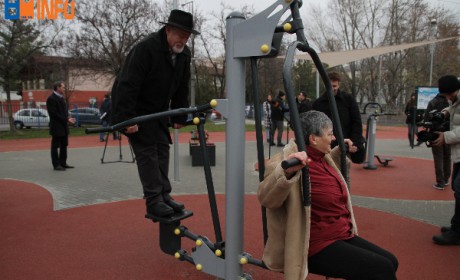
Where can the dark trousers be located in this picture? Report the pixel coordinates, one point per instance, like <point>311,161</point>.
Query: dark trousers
<point>412,131</point>
<point>153,167</point>
<point>456,188</point>
<point>102,134</point>
<point>277,125</point>
<point>442,163</point>
<point>59,157</point>
<point>352,259</point>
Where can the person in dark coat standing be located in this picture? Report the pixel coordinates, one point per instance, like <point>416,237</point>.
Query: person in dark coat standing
<point>349,115</point>
<point>278,110</point>
<point>441,153</point>
<point>106,116</point>
<point>59,128</point>
<point>303,102</point>
<point>155,78</point>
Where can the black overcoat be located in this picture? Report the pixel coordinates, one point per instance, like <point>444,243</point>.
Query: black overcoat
<point>57,110</point>
<point>149,83</point>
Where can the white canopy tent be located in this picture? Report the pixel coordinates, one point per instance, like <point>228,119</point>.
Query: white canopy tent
<point>343,57</point>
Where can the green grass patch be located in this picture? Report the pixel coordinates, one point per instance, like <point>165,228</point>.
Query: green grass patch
<point>80,131</point>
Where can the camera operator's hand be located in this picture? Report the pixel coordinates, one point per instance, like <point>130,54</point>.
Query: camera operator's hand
<point>440,140</point>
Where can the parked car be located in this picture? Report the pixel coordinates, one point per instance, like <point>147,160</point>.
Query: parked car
<point>85,115</point>
<point>28,118</point>
<point>249,111</point>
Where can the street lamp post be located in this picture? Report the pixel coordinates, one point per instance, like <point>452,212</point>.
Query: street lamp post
<point>432,46</point>
<point>192,70</point>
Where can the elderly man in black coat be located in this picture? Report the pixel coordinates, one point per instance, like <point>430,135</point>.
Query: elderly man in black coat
<point>59,126</point>
<point>155,78</point>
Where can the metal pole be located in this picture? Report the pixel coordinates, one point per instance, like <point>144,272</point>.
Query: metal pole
<point>176,132</point>
<point>432,46</point>
<point>371,143</point>
<point>317,84</point>
<point>234,153</point>
<point>192,69</point>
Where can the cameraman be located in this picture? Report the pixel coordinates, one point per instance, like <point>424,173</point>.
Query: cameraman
<point>450,85</point>
<point>441,153</point>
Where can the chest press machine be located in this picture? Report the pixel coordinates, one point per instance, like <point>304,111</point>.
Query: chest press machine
<point>255,38</point>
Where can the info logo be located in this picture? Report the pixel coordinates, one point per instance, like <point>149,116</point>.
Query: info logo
<point>39,9</point>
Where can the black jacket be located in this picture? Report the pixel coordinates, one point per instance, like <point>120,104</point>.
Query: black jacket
<point>350,120</point>
<point>303,106</point>
<point>149,83</point>
<point>278,109</point>
<point>59,115</point>
<point>438,103</point>
<point>106,108</point>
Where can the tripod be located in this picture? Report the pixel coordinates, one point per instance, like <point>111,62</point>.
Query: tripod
<point>118,135</point>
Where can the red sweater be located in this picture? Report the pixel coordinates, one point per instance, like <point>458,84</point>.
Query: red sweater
<point>330,218</point>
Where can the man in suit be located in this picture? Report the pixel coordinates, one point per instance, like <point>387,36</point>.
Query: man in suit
<point>59,128</point>
<point>155,78</point>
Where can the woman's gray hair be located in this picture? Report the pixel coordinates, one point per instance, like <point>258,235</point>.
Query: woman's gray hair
<point>314,123</point>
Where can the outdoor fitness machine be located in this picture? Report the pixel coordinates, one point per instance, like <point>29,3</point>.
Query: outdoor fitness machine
<point>256,38</point>
<point>370,136</point>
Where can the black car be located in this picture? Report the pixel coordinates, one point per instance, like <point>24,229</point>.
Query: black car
<point>85,115</point>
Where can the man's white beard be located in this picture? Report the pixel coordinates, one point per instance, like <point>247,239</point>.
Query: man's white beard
<point>177,49</point>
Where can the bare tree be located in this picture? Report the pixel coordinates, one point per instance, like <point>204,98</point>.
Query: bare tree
<point>108,32</point>
<point>357,24</point>
<point>19,41</point>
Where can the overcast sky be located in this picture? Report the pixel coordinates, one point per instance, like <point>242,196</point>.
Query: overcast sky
<point>259,5</point>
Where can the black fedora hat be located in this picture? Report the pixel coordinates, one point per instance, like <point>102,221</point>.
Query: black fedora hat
<point>182,20</point>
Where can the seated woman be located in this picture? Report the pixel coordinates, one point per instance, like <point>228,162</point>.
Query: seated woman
<point>321,239</point>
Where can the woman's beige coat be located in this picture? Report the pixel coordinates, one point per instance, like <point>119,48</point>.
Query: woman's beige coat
<point>288,220</point>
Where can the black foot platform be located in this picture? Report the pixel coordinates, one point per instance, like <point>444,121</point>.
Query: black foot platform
<point>383,161</point>
<point>176,217</point>
<point>170,241</point>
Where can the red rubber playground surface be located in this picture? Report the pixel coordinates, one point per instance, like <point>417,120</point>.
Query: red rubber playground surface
<point>115,241</point>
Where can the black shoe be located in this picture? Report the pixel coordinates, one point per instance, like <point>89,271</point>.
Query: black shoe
<point>159,209</point>
<point>68,166</point>
<point>175,205</point>
<point>445,229</point>
<point>272,144</point>
<point>280,145</point>
<point>447,238</point>
<point>59,168</point>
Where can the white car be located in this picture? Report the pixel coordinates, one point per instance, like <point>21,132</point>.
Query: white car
<point>31,118</point>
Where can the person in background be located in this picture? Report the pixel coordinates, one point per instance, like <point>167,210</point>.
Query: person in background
<point>349,115</point>
<point>278,110</point>
<point>155,78</point>
<point>411,119</point>
<point>450,85</point>
<point>303,102</point>
<point>267,107</point>
<point>59,126</point>
<point>441,153</point>
<point>106,116</point>
<point>321,238</point>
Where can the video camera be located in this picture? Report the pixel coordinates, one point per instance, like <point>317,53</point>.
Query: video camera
<point>436,122</point>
